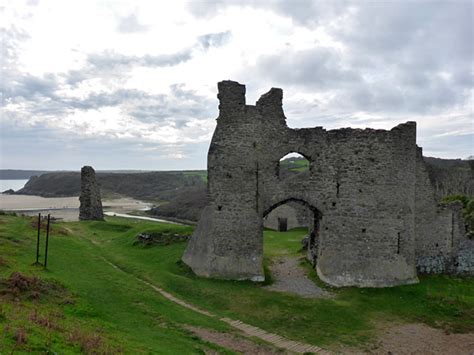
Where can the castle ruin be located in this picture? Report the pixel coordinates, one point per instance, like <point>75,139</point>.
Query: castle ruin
<point>91,203</point>
<point>375,219</point>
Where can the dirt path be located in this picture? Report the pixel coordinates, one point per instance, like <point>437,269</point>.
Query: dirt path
<point>421,339</point>
<point>233,342</point>
<point>290,277</point>
<point>247,329</point>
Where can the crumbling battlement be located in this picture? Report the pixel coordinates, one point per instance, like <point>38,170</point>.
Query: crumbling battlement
<point>362,190</point>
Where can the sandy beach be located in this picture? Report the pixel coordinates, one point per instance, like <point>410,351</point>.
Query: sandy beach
<point>66,208</point>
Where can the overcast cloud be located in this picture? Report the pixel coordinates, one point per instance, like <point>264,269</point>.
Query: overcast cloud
<point>133,86</point>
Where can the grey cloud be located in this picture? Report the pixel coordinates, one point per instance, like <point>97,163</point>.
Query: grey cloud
<point>178,108</point>
<point>422,51</point>
<point>40,96</point>
<point>431,35</point>
<point>406,56</point>
<point>308,12</point>
<point>110,65</point>
<point>70,151</point>
<point>27,86</point>
<point>74,77</point>
<point>108,59</point>
<point>16,85</point>
<point>205,8</point>
<point>422,95</point>
<point>214,39</point>
<point>98,100</point>
<point>312,68</point>
<point>303,12</point>
<point>402,57</point>
<point>11,38</point>
<point>113,66</point>
<point>130,24</point>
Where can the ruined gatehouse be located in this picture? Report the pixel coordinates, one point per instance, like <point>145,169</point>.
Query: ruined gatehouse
<point>375,220</point>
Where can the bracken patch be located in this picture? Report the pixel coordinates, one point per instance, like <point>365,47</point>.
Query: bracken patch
<point>91,343</point>
<point>22,287</point>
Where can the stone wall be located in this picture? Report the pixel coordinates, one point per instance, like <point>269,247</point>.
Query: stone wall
<point>295,214</point>
<point>360,189</point>
<point>441,242</point>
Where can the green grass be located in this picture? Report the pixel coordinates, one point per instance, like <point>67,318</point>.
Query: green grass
<point>129,315</point>
<point>295,164</point>
<point>126,314</point>
<point>283,243</point>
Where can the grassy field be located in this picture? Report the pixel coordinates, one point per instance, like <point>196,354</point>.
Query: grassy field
<point>297,164</point>
<point>98,306</point>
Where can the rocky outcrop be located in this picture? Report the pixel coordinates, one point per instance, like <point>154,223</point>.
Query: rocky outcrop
<point>91,204</point>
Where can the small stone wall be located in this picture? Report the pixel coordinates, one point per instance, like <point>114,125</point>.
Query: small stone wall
<point>441,242</point>
<point>295,214</point>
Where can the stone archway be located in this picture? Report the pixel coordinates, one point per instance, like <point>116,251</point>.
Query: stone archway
<point>313,224</point>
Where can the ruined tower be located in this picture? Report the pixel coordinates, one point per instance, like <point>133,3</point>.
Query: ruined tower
<point>91,204</point>
<point>363,190</point>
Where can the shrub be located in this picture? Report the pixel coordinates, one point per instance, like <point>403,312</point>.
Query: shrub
<point>468,211</point>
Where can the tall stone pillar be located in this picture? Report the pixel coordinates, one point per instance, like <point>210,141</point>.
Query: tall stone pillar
<point>91,204</point>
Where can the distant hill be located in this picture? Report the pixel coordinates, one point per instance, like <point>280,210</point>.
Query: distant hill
<point>183,194</point>
<point>295,164</point>
<point>12,174</point>
<point>152,186</point>
<point>451,176</point>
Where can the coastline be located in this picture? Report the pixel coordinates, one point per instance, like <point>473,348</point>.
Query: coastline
<point>65,208</point>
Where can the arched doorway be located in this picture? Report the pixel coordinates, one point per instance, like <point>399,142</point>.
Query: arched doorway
<point>312,216</point>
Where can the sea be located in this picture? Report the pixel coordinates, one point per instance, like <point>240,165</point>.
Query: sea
<point>15,185</point>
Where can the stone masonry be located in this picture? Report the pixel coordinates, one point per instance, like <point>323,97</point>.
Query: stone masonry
<point>374,215</point>
<point>294,214</point>
<point>91,204</point>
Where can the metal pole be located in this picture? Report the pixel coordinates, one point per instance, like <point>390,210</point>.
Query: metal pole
<point>47,240</point>
<point>38,239</point>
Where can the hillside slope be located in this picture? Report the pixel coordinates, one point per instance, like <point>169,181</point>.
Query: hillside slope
<point>152,186</point>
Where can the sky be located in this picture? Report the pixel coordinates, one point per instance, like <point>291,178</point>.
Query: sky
<point>133,84</point>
